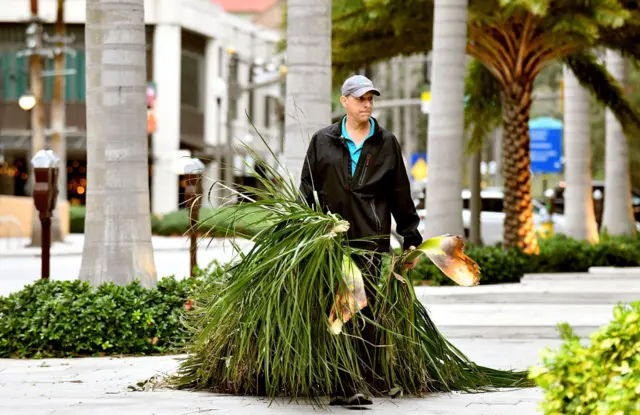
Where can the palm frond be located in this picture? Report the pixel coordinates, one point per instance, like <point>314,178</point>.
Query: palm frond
<point>606,89</point>
<point>535,7</point>
<point>625,39</point>
<point>364,36</point>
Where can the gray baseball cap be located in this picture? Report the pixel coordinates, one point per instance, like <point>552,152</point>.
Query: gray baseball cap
<point>357,86</point>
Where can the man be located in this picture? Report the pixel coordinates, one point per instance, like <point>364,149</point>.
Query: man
<point>357,170</point>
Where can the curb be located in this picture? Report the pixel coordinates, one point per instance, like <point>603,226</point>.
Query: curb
<point>511,332</point>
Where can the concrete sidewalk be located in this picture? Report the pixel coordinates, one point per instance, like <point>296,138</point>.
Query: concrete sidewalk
<point>101,386</point>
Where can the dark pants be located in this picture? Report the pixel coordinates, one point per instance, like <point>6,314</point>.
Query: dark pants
<point>369,265</point>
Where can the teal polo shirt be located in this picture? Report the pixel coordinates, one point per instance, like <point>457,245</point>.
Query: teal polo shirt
<point>354,149</point>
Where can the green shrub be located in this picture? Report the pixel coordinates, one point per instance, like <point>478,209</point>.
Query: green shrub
<point>177,223</point>
<point>72,318</point>
<point>601,378</point>
<point>76,219</point>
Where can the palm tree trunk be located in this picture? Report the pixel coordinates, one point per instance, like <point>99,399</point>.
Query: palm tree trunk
<point>383,80</point>
<point>475,233</point>
<point>409,129</point>
<point>308,101</point>
<point>446,120</point>
<point>37,118</point>
<point>519,230</point>
<point>58,143</point>
<point>117,244</point>
<point>617,215</point>
<point>396,84</point>
<point>579,213</point>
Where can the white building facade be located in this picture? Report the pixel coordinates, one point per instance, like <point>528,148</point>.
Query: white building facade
<point>189,42</point>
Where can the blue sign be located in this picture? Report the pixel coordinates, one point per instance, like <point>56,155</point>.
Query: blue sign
<point>417,156</point>
<point>546,145</point>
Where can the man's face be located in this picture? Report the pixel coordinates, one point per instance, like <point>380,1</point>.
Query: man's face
<point>359,108</point>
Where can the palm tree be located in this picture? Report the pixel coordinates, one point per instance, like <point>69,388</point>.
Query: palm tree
<point>308,101</point>
<point>446,119</point>
<point>580,218</point>
<point>617,213</point>
<point>117,244</point>
<point>58,142</point>
<point>514,40</point>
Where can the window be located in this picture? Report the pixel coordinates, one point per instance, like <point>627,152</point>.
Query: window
<point>493,204</point>
<point>14,73</point>
<point>191,80</point>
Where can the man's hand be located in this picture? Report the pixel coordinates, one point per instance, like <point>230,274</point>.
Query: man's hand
<point>412,265</point>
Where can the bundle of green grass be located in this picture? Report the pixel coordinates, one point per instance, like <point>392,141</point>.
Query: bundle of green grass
<point>285,318</point>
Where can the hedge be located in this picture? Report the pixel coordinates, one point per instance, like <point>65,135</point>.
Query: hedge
<point>600,378</point>
<point>557,254</point>
<point>51,318</point>
<point>177,223</point>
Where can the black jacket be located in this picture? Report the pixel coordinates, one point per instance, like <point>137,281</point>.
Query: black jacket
<point>380,187</point>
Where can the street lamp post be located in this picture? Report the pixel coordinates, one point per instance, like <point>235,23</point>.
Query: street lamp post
<point>45,193</point>
<point>193,192</point>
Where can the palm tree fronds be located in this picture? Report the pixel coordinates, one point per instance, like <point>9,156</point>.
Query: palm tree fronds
<point>606,89</point>
<point>535,7</point>
<point>625,39</point>
<point>447,253</point>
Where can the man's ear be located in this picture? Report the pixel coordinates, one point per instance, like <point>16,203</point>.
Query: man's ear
<point>343,100</point>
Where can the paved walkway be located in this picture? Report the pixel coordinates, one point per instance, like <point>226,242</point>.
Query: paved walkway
<point>21,266</point>
<point>502,326</point>
<point>101,386</point>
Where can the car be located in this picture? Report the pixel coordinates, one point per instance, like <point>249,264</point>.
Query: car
<point>492,215</point>
<point>557,196</point>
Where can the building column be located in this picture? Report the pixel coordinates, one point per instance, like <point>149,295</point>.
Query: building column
<point>167,45</point>
<point>214,95</point>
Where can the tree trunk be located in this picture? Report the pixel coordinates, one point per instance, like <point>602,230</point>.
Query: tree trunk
<point>308,101</point>
<point>617,215</point>
<point>519,230</point>
<point>396,85</point>
<point>382,79</point>
<point>37,119</point>
<point>475,234</point>
<point>445,141</point>
<point>497,156</point>
<point>58,144</point>
<point>579,214</point>
<point>117,244</point>
<point>408,137</point>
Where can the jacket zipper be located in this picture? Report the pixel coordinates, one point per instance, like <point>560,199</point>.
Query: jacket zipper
<point>364,171</point>
<point>348,164</point>
<point>375,215</point>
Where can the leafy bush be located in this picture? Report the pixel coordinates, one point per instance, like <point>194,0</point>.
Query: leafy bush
<point>71,318</point>
<point>76,219</point>
<point>558,254</point>
<point>177,223</point>
<point>602,378</point>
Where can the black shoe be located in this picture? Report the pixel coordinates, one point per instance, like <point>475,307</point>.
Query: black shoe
<point>395,393</point>
<point>354,400</point>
